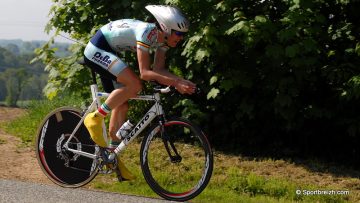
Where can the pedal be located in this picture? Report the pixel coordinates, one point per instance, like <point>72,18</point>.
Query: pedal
<point>107,156</point>
<point>107,161</point>
<point>107,168</point>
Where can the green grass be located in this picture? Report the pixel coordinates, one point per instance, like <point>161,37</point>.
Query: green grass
<point>26,126</point>
<point>228,184</point>
<point>232,180</point>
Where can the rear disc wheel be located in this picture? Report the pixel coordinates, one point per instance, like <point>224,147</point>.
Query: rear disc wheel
<point>60,165</point>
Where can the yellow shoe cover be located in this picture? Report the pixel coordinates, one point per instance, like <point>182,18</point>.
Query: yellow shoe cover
<point>93,123</point>
<point>125,173</point>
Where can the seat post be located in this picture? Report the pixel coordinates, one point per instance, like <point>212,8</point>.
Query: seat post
<point>93,74</point>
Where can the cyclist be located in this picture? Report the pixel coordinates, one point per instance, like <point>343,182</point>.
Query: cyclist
<point>119,79</point>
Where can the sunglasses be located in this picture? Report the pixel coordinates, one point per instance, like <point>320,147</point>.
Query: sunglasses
<point>178,33</point>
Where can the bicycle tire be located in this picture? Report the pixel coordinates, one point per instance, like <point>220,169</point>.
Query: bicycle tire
<point>187,176</point>
<point>59,165</point>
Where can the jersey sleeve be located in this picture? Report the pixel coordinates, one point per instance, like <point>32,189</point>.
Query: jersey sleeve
<point>145,37</point>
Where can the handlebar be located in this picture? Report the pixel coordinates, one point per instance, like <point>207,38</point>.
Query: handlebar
<point>167,89</point>
<point>163,90</point>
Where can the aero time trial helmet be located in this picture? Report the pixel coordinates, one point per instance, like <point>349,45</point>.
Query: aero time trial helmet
<point>169,18</point>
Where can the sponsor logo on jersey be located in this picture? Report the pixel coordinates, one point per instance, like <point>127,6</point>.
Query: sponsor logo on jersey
<point>103,60</point>
<point>124,25</point>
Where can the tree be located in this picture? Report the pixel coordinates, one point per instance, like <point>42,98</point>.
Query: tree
<point>35,90</point>
<point>275,73</point>
<point>13,48</point>
<point>16,80</point>
<point>82,18</point>
<point>2,89</point>
<point>7,59</point>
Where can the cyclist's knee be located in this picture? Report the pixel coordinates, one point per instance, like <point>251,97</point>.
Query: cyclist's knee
<point>137,86</point>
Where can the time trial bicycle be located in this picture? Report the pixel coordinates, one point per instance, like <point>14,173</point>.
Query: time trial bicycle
<point>175,156</point>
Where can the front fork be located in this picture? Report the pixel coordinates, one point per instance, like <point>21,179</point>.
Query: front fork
<point>168,141</point>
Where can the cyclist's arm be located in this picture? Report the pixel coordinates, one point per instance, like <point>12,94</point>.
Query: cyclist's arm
<point>160,74</point>
<point>147,74</point>
<point>159,64</point>
<point>182,85</point>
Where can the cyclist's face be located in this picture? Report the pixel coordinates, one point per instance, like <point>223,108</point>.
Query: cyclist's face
<point>175,38</point>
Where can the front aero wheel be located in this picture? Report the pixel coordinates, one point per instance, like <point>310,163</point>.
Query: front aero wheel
<point>176,160</point>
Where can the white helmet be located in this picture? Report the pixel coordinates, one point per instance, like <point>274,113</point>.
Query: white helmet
<point>169,18</point>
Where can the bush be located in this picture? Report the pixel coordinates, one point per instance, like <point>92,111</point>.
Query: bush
<point>278,76</point>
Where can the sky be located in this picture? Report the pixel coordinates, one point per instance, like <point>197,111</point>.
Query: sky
<point>25,19</point>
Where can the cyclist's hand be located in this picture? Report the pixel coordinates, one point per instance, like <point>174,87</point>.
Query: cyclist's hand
<point>185,86</point>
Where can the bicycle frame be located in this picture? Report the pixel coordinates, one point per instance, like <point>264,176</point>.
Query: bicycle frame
<point>152,113</point>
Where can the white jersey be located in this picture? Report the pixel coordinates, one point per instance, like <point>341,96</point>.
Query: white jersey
<point>117,36</point>
<point>129,34</point>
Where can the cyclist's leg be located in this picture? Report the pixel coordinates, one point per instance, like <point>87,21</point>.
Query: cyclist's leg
<point>118,114</point>
<point>91,121</point>
<point>99,57</point>
<point>118,117</point>
<point>116,99</point>
<point>118,102</point>
<point>132,86</point>
<point>104,60</point>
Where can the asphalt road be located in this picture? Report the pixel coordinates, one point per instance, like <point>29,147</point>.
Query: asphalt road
<point>17,191</point>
